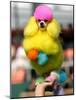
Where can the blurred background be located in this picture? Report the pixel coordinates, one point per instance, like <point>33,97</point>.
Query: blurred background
<point>22,75</point>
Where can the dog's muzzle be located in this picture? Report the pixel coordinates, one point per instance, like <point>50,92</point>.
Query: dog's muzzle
<point>42,24</point>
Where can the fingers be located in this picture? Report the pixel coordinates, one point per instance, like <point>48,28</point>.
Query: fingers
<point>40,89</point>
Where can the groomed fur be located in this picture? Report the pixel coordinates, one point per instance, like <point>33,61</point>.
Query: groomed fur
<point>45,41</point>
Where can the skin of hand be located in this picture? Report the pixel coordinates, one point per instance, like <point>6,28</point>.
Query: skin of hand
<point>40,88</point>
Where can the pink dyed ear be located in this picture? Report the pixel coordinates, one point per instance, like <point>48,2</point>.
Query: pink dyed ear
<point>43,12</point>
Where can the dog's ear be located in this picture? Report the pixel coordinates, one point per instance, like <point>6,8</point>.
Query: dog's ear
<point>53,28</point>
<point>31,27</point>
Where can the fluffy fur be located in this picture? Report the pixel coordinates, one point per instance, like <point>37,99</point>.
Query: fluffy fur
<point>41,40</point>
<point>43,12</point>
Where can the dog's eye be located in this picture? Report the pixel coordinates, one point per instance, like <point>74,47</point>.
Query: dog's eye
<point>46,20</point>
<point>39,20</point>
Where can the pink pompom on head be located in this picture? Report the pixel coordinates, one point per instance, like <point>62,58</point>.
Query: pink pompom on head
<point>43,12</point>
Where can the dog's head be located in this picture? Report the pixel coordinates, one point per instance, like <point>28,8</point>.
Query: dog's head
<point>43,14</point>
<point>43,20</point>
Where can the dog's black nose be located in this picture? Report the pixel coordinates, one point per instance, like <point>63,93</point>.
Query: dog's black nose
<point>42,25</point>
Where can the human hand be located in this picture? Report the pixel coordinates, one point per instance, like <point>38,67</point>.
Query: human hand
<point>40,88</point>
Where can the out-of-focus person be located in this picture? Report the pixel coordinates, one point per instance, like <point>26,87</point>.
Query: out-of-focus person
<point>13,51</point>
<point>20,73</point>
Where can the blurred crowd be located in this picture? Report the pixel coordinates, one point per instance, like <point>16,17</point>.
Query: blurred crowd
<point>21,72</point>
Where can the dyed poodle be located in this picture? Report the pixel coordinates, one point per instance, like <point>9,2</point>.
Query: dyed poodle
<point>41,41</point>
